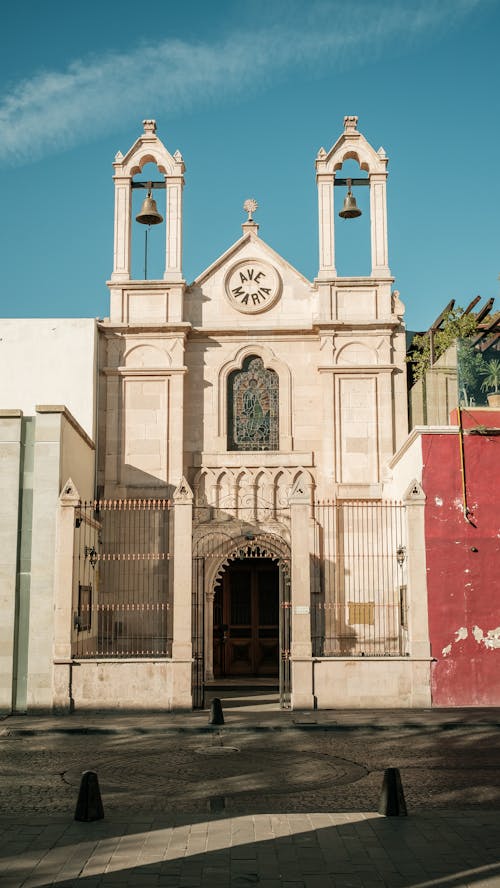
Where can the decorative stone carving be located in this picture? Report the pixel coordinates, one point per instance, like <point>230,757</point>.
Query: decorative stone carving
<point>350,123</point>
<point>183,492</point>
<point>414,493</point>
<point>250,206</point>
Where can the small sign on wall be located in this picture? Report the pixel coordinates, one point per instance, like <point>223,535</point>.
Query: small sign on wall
<point>301,609</point>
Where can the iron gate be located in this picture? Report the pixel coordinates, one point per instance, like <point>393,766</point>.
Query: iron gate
<point>358,604</point>
<point>198,632</point>
<point>121,598</point>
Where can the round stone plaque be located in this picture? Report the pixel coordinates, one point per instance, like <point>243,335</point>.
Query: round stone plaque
<point>253,286</point>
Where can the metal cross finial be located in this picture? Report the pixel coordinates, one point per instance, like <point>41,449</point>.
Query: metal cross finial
<point>250,206</point>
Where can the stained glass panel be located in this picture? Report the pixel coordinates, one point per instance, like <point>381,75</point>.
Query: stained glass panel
<point>253,407</point>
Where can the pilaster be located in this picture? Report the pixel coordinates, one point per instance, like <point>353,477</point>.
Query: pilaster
<point>173,261</point>
<point>325,183</point>
<point>378,225</point>
<point>121,260</point>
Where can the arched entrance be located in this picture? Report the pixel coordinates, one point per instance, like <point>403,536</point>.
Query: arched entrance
<point>246,622</point>
<point>241,616</point>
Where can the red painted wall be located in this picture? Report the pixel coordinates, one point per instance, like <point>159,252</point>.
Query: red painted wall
<point>464,584</point>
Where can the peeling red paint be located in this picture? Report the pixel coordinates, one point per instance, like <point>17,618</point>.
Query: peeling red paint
<point>464,584</point>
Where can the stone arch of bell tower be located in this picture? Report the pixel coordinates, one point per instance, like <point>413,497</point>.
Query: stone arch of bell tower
<point>148,149</point>
<point>352,145</point>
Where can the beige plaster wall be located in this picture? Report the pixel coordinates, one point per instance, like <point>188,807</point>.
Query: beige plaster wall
<point>126,684</point>
<point>372,683</point>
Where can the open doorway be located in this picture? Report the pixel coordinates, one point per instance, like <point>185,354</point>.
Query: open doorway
<point>246,639</point>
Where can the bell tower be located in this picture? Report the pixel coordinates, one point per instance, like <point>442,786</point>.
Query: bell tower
<point>127,295</point>
<point>362,334</point>
<point>352,145</point>
<point>142,343</point>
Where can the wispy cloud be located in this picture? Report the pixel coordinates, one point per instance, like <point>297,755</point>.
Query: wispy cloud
<point>57,109</point>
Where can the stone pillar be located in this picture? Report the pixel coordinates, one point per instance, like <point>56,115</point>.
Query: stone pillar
<point>182,567</point>
<point>69,500</point>
<point>121,254</point>
<point>301,647</point>
<point>418,621</point>
<point>46,489</point>
<point>326,225</point>
<point>173,259</point>
<point>378,225</point>
<point>10,479</point>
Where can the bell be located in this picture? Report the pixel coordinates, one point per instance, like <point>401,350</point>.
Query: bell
<point>349,210</point>
<point>149,214</point>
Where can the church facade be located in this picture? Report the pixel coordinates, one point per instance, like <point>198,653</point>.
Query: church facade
<point>243,523</point>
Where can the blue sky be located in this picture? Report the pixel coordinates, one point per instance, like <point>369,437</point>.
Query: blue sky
<point>249,91</point>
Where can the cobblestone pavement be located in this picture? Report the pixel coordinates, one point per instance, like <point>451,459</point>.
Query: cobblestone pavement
<point>287,802</point>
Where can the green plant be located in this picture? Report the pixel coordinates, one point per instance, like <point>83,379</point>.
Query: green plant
<point>491,373</point>
<point>470,366</point>
<point>455,325</point>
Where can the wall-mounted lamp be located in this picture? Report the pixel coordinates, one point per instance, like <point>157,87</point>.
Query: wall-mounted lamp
<point>90,553</point>
<point>401,555</point>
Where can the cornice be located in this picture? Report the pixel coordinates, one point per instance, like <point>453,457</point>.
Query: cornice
<point>167,327</point>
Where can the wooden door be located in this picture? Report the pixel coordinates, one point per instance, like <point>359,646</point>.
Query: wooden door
<point>246,620</point>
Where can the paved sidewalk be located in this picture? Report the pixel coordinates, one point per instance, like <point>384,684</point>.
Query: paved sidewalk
<point>163,826</point>
<point>251,715</point>
<point>267,850</point>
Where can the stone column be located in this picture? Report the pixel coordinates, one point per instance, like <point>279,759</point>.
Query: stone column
<point>301,646</point>
<point>10,479</point>
<point>121,253</point>
<point>173,259</point>
<point>378,225</point>
<point>182,648</point>
<point>326,225</point>
<point>69,500</point>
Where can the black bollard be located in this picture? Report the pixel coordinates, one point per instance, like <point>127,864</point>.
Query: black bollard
<point>89,805</point>
<point>392,800</point>
<point>216,713</point>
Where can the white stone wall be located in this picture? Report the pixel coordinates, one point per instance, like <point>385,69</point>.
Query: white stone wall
<point>49,361</point>
<point>10,461</point>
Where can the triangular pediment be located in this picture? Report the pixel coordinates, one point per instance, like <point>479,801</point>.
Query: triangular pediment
<point>250,285</point>
<point>247,246</point>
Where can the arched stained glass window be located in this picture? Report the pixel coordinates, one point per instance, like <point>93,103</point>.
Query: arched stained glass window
<point>252,403</point>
